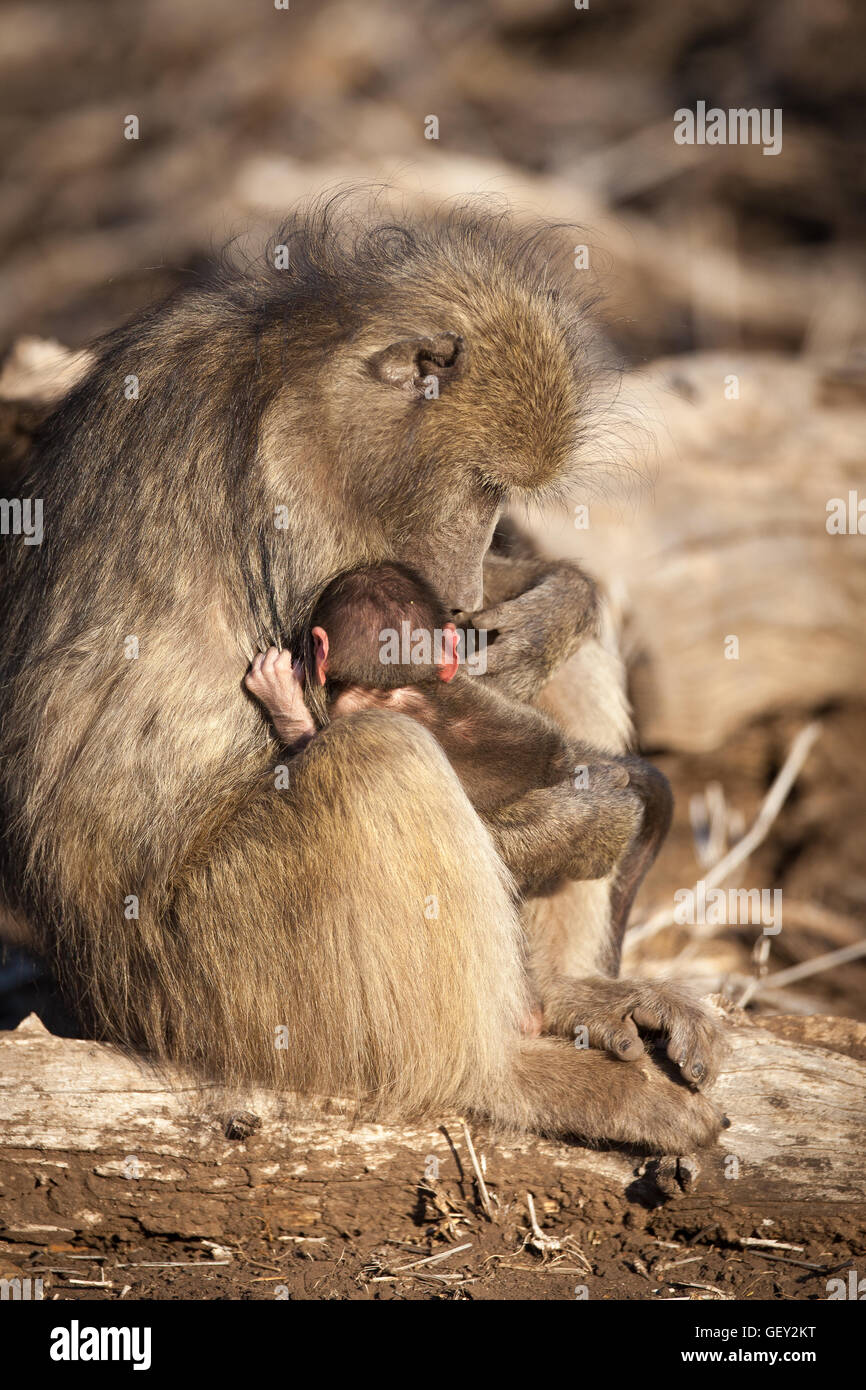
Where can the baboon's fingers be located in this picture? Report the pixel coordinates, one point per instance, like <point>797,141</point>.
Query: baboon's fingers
<point>651,1014</point>
<point>696,1049</point>
<point>614,1012</point>
<point>693,1034</point>
<point>690,1062</point>
<point>488,617</point>
<point>620,1038</point>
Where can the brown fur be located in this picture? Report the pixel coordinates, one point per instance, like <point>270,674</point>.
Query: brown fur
<point>306,907</point>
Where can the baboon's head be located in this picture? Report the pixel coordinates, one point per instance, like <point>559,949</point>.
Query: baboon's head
<point>456,375</point>
<point>347,641</point>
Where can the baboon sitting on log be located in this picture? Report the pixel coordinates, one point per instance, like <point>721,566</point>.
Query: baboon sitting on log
<point>230,450</point>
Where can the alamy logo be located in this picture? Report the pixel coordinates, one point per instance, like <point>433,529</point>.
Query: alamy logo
<point>733,906</point>
<point>77,1343</point>
<point>421,647</point>
<point>23,1290</point>
<point>738,126</point>
<point>22,517</point>
<point>846,517</point>
<point>854,1289</point>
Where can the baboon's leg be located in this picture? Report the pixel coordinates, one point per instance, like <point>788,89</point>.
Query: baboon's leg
<point>575,932</point>
<point>354,933</point>
<point>362,919</point>
<point>575,935</point>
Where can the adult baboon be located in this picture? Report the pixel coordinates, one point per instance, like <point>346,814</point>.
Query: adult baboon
<point>231,449</point>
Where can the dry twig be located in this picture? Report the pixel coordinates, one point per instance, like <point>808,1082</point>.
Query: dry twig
<point>483,1194</point>
<point>755,836</point>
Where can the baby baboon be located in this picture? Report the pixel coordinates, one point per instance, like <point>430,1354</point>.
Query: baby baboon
<point>379,399</point>
<point>379,637</point>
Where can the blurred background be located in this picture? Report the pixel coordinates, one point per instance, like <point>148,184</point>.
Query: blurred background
<point>731,285</point>
<point>243,107</point>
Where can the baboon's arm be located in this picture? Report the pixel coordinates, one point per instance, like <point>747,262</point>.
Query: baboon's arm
<point>278,683</point>
<point>539,610</point>
<point>536,612</point>
<point>613,814</point>
<point>555,833</point>
<point>563,603</point>
<point>657,802</point>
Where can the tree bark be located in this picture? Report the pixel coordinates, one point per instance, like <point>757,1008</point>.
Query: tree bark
<point>94,1142</point>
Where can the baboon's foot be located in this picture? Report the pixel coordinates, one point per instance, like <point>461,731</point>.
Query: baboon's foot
<point>657,1113</point>
<point>615,1014</point>
<point>584,1094</point>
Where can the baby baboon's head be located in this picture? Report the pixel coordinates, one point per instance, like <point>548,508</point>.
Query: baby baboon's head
<point>378,626</point>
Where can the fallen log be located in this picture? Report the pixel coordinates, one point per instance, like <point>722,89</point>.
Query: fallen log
<point>95,1143</point>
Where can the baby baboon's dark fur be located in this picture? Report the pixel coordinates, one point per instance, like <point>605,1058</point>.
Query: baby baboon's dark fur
<point>282,431</point>
<point>501,748</point>
<point>355,608</point>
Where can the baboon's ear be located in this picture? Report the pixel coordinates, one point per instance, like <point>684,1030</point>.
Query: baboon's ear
<point>408,363</point>
<point>450,659</point>
<point>320,653</point>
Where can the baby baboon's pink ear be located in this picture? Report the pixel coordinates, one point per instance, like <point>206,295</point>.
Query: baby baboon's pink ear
<point>450,658</point>
<point>407,364</point>
<point>321,645</point>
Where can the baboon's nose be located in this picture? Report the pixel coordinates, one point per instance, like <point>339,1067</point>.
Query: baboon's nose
<point>467,600</point>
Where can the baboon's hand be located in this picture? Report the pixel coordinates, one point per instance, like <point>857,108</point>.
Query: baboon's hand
<point>533,633</point>
<point>278,682</point>
<point>616,1012</point>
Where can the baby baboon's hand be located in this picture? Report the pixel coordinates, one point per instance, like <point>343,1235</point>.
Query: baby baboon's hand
<point>616,1012</point>
<point>274,680</point>
<point>278,682</point>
